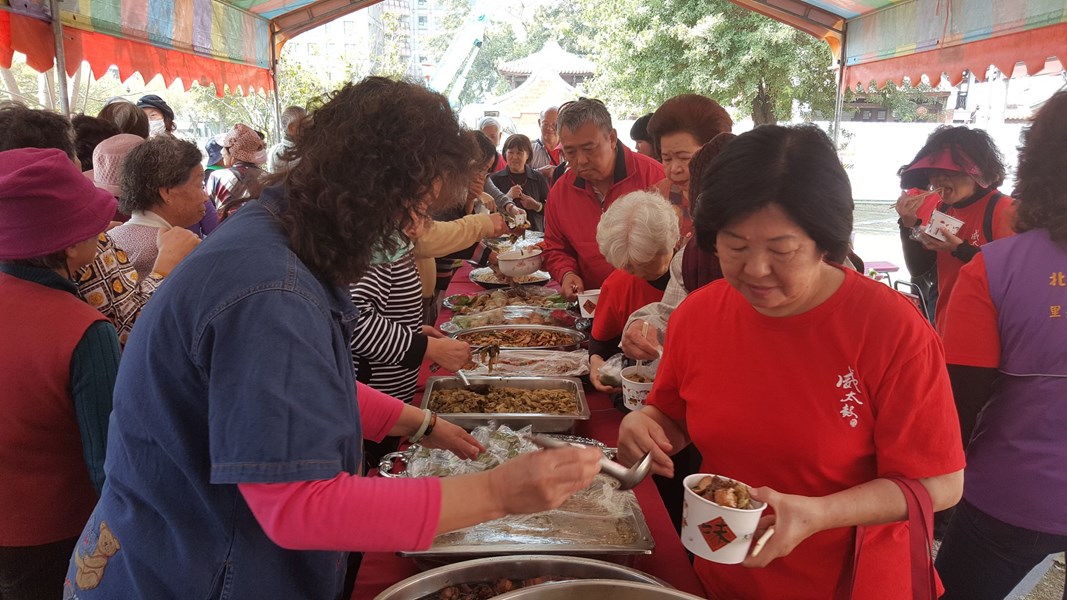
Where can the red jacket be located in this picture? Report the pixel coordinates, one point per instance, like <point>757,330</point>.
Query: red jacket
<point>572,214</point>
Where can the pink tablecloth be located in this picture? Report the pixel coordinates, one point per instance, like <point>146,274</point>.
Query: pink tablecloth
<point>668,561</point>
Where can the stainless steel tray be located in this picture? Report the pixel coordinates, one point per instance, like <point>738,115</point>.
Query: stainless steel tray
<point>498,538</point>
<point>597,588</point>
<point>577,337</point>
<point>541,422</point>
<point>513,567</point>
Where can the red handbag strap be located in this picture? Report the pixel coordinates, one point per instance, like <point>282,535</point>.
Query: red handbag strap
<point>921,527</point>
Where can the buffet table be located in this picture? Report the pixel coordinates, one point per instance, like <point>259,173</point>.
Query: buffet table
<point>668,561</point>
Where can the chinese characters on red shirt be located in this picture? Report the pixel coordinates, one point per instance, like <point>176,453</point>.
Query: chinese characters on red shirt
<point>851,386</point>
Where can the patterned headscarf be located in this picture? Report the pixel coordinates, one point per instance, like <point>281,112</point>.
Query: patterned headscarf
<point>243,144</point>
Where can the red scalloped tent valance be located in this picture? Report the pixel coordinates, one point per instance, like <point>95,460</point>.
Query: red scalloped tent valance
<point>33,37</point>
<point>1032,48</point>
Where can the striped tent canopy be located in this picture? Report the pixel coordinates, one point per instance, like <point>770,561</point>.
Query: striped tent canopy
<point>230,43</point>
<point>888,40</point>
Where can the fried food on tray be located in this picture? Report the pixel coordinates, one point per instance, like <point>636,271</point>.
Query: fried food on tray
<point>486,589</point>
<point>724,492</point>
<point>517,338</point>
<point>505,400</point>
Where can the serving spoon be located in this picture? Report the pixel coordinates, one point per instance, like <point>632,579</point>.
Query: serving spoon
<point>628,477</point>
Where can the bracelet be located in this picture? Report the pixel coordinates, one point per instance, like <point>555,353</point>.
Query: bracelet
<point>433,423</point>
<point>421,432</point>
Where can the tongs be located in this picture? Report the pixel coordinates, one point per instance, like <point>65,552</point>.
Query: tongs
<point>628,477</point>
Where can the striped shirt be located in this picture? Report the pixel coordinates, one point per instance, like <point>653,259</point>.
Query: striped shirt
<point>387,346</point>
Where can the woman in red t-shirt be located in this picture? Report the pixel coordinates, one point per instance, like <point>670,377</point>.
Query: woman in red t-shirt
<point>801,378</point>
<point>964,167</point>
<point>637,236</point>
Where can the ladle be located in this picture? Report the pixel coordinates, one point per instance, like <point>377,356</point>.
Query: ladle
<point>479,388</point>
<point>628,477</point>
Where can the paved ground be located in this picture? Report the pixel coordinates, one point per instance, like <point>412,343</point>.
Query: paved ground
<point>1051,585</point>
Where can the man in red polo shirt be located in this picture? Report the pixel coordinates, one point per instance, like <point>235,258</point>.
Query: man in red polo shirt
<point>601,170</point>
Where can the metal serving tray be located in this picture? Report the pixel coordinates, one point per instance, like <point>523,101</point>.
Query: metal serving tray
<point>541,422</point>
<point>497,538</point>
<point>576,336</point>
<point>513,567</point>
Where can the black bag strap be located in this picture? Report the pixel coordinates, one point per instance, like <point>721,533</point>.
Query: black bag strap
<point>990,209</point>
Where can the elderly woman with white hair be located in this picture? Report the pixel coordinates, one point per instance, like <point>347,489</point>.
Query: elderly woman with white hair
<point>637,236</point>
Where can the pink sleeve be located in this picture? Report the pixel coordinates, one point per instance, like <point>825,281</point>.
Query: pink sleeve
<point>378,412</point>
<point>348,512</point>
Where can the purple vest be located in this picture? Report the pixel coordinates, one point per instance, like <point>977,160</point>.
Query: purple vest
<point>1017,458</point>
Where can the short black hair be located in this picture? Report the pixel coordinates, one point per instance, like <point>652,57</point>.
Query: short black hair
<point>1041,178</point>
<point>795,168</point>
<point>88,132</point>
<point>521,142</point>
<point>22,127</point>
<point>966,146</point>
<point>159,162</point>
<point>639,130</point>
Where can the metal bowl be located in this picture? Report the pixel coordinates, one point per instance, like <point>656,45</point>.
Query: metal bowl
<point>576,337</point>
<point>514,567</point>
<point>597,588</point>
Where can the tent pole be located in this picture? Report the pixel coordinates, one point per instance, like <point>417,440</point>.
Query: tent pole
<point>277,96</point>
<point>839,103</point>
<point>61,58</point>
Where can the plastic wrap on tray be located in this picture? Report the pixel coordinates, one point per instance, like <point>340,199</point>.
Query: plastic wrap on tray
<point>532,295</point>
<point>600,515</point>
<point>533,363</point>
<point>501,445</point>
<point>511,315</point>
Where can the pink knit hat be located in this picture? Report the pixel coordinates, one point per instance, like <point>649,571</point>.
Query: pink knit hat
<point>243,143</point>
<point>108,158</point>
<point>46,204</point>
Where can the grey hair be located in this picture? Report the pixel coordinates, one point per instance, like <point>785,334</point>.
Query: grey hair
<point>489,121</point>
<point>292,113</point>
<point>576,113</point>
<point>160,162</point>
<point>636,228</point>
<point>545,112</point>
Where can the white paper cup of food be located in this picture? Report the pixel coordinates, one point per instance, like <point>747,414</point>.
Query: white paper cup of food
<point>717,533</point>
<point>636,384</point>
<point>587,302</point>
<point>938,220</point>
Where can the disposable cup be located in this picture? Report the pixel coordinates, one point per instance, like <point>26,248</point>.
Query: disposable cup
<point>587,302</point>
<point>634,393</point>
<point>717,533</point>
<point>938,220</point>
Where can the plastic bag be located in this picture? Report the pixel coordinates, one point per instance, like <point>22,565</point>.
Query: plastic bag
<point>611,371</point>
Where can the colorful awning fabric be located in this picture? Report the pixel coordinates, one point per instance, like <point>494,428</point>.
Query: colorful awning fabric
<point>33,38</point>
<point>885,40</point>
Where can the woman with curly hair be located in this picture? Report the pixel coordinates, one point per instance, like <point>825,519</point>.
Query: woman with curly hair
<point>964,168</point>
<point>679,127</point>
<point>235,450</point>
<point>1008,364</point>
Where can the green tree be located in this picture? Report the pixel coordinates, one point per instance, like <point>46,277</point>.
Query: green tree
<point>649,51</point>
<point>297,85</point>
<point>905,103</point>
<point>499,44</point>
